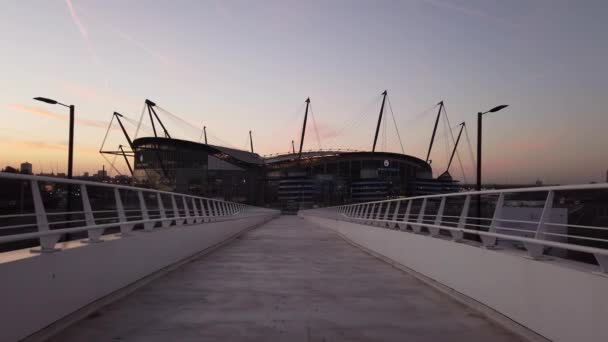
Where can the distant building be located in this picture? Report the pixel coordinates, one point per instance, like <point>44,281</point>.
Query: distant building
<point>26,168</point>
<point>86,174</point>
<point>9,169</point>
<point>102,174</point>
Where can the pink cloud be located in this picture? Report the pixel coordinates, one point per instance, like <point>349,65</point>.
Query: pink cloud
<point>63,117</point>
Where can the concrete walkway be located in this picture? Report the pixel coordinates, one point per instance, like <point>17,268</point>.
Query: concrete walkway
<point>286,281</point>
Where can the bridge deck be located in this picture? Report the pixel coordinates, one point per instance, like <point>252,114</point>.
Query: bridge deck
<point>292,281</point>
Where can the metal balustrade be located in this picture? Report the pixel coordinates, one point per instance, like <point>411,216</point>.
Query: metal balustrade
<point>454,217</point>
<point>39,208</point>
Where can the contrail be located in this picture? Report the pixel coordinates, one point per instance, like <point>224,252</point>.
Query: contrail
<point>76,19</point>
<point>161,58</point>
<point>473,12</point>
<point>85,35</point>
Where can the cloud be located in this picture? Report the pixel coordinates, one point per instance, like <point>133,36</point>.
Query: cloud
<point>32,144</point>
<point>36,110</point>
<point>62,117</point>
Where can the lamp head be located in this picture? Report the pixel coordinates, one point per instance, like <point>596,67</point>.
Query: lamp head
<point>497,108</point>
<point>44,99</point>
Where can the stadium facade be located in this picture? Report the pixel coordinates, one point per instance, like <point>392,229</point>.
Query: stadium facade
<point>287,181</point>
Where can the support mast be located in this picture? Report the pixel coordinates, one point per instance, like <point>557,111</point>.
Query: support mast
<point>126,159</point>
<point>151,111</point>
<point>455,146</point>
<point>304,128</point>
<point>434,131</point>
<point>379,120</point>
<point>251,141</point>
<point>124,131</point>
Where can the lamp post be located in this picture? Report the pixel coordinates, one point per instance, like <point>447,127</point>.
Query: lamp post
<point>479,121</point>
<point>70,154</point>
<point>71,134</point>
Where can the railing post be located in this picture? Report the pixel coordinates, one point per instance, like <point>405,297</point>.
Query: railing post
<point>220,212</point>
<point>376,214</point>
<point>187,215</point>
<point>393,224</point>
<point>215,212</point>
<point>419,223</point>
<point>602,261</point>
<point>462,221</point>
<point>204,211</point>
<point>47,243</point>
<point>534,250</point>
<point>161,211</point>
<point>438,218</point>
<point>125,228</point>
<point>176,215</point>
<point>148,226</point>
<point>356,212</point>
<point>372,211</point>
<point>406,216</point>
<point>385,218</point>
<point>197,218</point>
<point>490,241</point>
<point>89,219</point>
<point>365,210</point>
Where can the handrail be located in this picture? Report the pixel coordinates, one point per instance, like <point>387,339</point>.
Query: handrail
<point>182,209</point>
<point>427,215</point>
<point>19,176</point>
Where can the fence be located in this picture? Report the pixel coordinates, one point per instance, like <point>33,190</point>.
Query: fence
<point>532,219</point>
<point>39,211</point>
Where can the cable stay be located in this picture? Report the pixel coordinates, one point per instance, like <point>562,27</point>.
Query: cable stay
<point>462,125</point>
<point>455,142</point>
<point>314,124</point>
<point>395,123</point>
<point>355,121</point>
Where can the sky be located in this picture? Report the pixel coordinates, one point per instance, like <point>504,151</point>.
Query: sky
<point>236,66</point>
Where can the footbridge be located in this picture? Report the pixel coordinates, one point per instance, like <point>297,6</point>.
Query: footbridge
<point>114,262</point>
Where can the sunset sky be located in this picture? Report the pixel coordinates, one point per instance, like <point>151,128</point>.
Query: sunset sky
<point>236,66</point>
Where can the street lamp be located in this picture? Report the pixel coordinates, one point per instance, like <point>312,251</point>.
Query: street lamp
<point>71,137</point>
<point>479,115</point>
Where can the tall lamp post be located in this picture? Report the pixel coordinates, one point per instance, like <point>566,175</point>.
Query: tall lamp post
<point>70,154</point>
<point>71,137</point>
<point>478,188</point>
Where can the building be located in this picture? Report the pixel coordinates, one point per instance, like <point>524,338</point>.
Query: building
<point>201,169</point>
<point>102,174</point>
<point>26,168</point>
<point>323,178</point>
<point>287,181</point>
<point>317,178</point>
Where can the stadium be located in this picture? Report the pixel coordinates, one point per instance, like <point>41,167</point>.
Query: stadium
<point>299,179</point>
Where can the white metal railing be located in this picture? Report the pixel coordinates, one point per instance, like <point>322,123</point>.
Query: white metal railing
<point>533,227</point>
<point>26,216</point>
